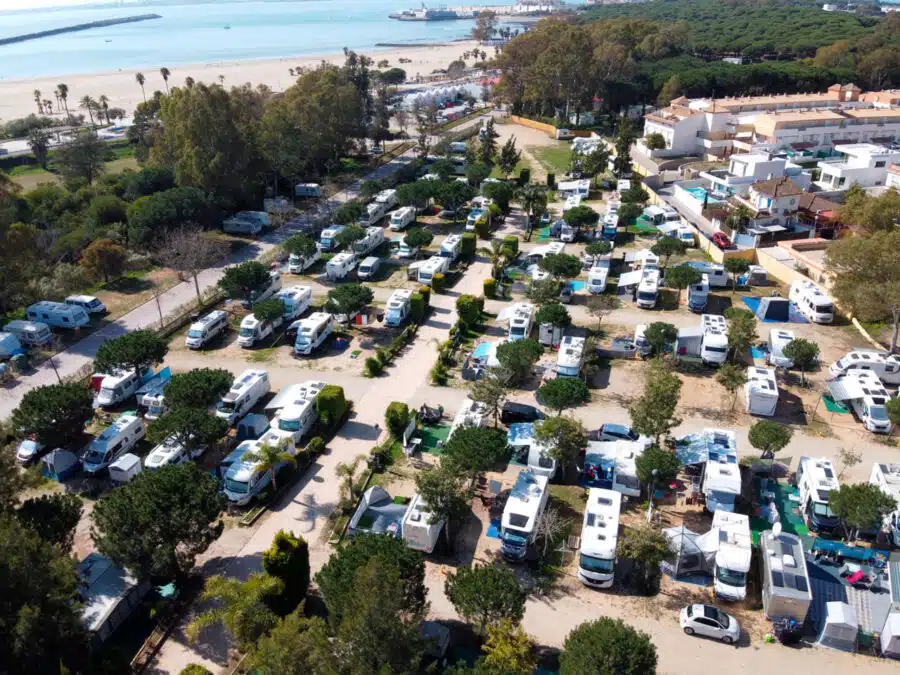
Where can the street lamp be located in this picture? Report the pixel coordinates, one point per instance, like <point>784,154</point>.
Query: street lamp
<point>655,473</point>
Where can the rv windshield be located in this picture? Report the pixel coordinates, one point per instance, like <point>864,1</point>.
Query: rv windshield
<point>592,564</point>
<point>646,295</point>
<point>545,461</point>
<point>732,577</point>
<point>824,309</point>
<point>518,331</point>
<point>96,456</point>
<point>823,510</point>
<point>424,276</point>
<point>326,242</point>
<point>247,332</point>
<point>515,536</point>
<point>195,333</point>
<point>225,406</point>
<point>393,315</point>
<point>289,425</point>
<point>108,393</point>
<point>715,350</point>
<point>877,412</point>
<point>237,486</point>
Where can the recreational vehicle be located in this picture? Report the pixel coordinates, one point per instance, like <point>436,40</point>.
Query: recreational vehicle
<point>778,340</point>
<point>434,265</point>
<point>119,387</point>
<point>398,307</point>
<point>785,582</point>
<point>599,536</point>
<point>473,217</point>
<point>567,233</point>
<point>721,483</point>
<point>206,329</point>
<point>30,333</point>
<point>571,202</point>
<point>611,220</point>
<point>598,274</point>
<point>570,357</point>
<point>246,222</point>
<point>887,477</point>
<point>340,265</point>
<point>403,218</point>
<point>524,509</point>
<point>151,395</point>
<point>374,212</point>
<point>733,556</point>
<point>307,190</point>
<point>419,532</point>
<point>373,239</point>
<point>715,272</point>
<point>298,264</point>
<point>712,345</point>
<point>29,449</point>
<point>407,251</point>
<point>866,395</point>
<point>451,246</point>
<point>9,346</point>
<point>88,303</point>
<point>816,478</point>
<point>258,296</point>
<point>244,479</point>
<point>124,469</point>
<point>253,330</point>
<point>648,289</point>
<point>246,391</point>
<point>521,319</point>
<point>761,392</point>
<point>117,439</point>
<point>698,294</point>
<point>312,332</point>
<point>685,234</point>
<point>296,299</point>
<point>885,366</point>
<point>661,215</point>
<point>643,260</point>
<point>170,451</point>
<point>471,414</point>
<point>57,314</point>
<point>387,198</point>
<point>538,253</point>
<point>296,418</point>
<point>812,301</point>
<point>328,237</point>
<point>368,268</point>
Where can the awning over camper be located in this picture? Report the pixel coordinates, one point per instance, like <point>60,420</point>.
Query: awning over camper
<point>286,396</point>
<point>710,444</point>
<point>694,553</point>
<point>630,278</point>
<point>520,434</point>
<point>843,388</point>
<point>506,314</point>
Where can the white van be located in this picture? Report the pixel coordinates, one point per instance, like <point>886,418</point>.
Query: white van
<point>312,332</point>
<point>298,264</point>
<point>368,268</point>
<point>434,265</point>
<point>30,333</point>
<point>598,274</point>
<point>398,307</point>
<point>253,330</point>
<point>118,388</point>
<point>340,265</point>
<point>57,314</point>
<point>117,439</point>
<point>246,391</point>
<point>170,451</point>
<point>88,303</point>
<point>648,289</point>
<point>812,301</point>
<point>451,246</point>
<point>373,239</point>
<point>885,366</point>
<point>403,218</point>
<point>296,299</point>
<point>206,329</point>
<point>599,536</point>
<point>778,340</point>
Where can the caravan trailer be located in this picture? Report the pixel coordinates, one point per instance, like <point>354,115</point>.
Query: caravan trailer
<point>599,536</point>
<point>570,357</point>
<point>328,237</point>
<point>785,581</point>
<point>451,246</point>
<point>761,392</point>
<point>117,439</point>
<point>887,478</point>
<point>885,366</point>
<point>312,332</point>
<point>57,314</point>
<point>170,451</point>
<point>373,239</point>
<point>387,198</point>
<point>340,266</point>
<point>374,212</point>
<point>296,299</point>
<point>698,294</point>
<point>778,340</point>
<point>30,333</point>
<point>816,478</point>
<point>298,264</point>
<point>866,395</point>
<point>246,222</point>
<point>434,265</point>
<point>207,328</point>
<point>648,289</point>
<point>524,509</point>
<point>521,320</point>
<point>398,307</point>
<point>812,301</point>
<point>246,391</point>
<point>253,330</point>
<point>402,218</point>
<point>419,532</point>
<point>598,274</point>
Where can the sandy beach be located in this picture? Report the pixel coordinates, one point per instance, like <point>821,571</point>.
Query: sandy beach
<point>120,87</point>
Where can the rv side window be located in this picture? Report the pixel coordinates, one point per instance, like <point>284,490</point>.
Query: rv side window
<point>114,449</point>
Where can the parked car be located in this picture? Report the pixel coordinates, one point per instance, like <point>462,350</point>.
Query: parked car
<point>613,432</point>
<point>721,240</point>
<point>514,413</point>
<point>711,622</point>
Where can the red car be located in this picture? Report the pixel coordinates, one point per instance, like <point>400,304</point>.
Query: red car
<point>721,240</point>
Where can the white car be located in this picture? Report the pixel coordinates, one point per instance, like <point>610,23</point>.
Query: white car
<point>710,622</point>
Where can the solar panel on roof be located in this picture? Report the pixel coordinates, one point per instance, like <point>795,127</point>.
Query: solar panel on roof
<point>828,472</point>
<point>518,520</point>
<point>800,583</point>
<point>778,579</point>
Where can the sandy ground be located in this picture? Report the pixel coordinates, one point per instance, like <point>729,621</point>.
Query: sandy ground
<point>120,87</point>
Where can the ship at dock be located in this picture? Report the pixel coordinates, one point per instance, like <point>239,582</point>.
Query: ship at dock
<point>444,13</point>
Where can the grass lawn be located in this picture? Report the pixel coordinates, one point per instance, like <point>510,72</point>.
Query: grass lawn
<point>29,176</point>
<point>554,158</point>
<point>522,164</point>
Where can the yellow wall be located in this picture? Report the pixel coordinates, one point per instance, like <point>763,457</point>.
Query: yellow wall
<point>777,269</point>
<point>549,129</point>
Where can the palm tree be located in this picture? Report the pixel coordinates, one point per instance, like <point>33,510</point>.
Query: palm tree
<point>739,217</point>
<point>62,90</point>
<point>269,458</point>
<point>165,72</point>
<point>222,79</point>
<point>291,71</point>
<point>534,202</point>
<point>499,255</point>
<point>104,106</point>
<point>241,607</point>
<point>39,101</point>
<point>39,142</point>
<point>48,106</point>
<point>89,104</point>
<point>189,82</point>
<point>140,79</point>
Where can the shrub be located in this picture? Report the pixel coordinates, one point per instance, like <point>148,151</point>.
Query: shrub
<point>396,418</point>
<point>482,228</point>
<point>194,669</point>
<point>288,559</point>
<point>316,446</point>
<point>469,244</point>
<point>525,176</point>
<point>425,292</point>
<point>438,282</point>
<point>384,355</point>
<point>416,307</point>
<point>331,404</point>
<point>374,367</point>
<point>468,309</point>
<point>512,242</point>
<point>439,374</point>
<point>490,288</point>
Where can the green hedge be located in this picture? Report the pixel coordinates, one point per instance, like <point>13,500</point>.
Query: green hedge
<point>490,288</point>
<point>331,404</point>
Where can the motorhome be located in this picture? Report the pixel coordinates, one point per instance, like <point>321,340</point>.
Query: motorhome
<point>119,387</point>
<point>117,439</point>
<point>568,233</point>
<point>403,218</point>
<point>57,314</point>
<point>816,478</point>
<point>373,239</point>
<point>715,272</point>
<point>151,396</point>
<point>761,392</point>
<point>613,465</point>
<point>473,217</point>
<point>866,395</point>
<point>661,215</point>
<point>785,582</point>
<point>721,482</point>
<point>521,319</point>
<point>398,307</point>
<point>298,264</point>
<point>307,190</point>
<point>599,536</point>
<point>295,416</point>
<point>470,414</point>
<point>538,253</point>
<point>887,477</point>
<point>685,234</point>
<point>253,330</point>
<point>570,357</point>
<point>296,299</point>
<point>258,296</point>
<point>328,237</point>
<point>206,329</point>
<point>598,274</point>
<point>245,392</point>
<point>244,479</point>
<point>523,510</point>
<point>407,251</point>
<point>170,451</point>
<point>30,333</point>
<point>434,265</point>
<point>388,198</point>
<point>419,532</point>
<point>611,219</point>
<point>812,301</point>
<point>778,340</point>
<point>374,212</point>
<point>88,303</point>
<point>648,289</point>
<point>733,556</point>
<point>698,294</point>
<point>885,366</point>
<point>246,222</point>
<point>312,332</point>
<point>369,267</point>
<point>340,265</point>
<point>709,340</point>
<point>571,202</point>
<point>451,246</point>
<point>645,259</point>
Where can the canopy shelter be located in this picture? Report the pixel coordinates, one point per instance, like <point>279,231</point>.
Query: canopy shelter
<point>843,388</point>
<point>694,553</point>
<point>840,627</point>
<point>60,464</point>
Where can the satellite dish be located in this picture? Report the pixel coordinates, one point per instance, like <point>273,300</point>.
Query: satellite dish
<point>776,529</point>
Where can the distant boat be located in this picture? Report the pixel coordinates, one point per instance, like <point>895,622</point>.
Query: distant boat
<point>107,40</point>
<point>227,26</point>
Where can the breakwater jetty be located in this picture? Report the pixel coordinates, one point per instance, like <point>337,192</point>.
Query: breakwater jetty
<point>77,27</point>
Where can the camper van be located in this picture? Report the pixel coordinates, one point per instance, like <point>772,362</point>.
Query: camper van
<point>403,218</point>
<point>246,222</point>
<point>246,391</point>
<point>816,478</point>
<point>340,265</point>
<point>328,237</point>
<point>866,395</point>
<point>298,264</point>
<point>119,387</point>
<point>434,265</point>
<point>206,329</point>
<point>387,198</point>
<point>567,233</point>
<point>151,396</point>
<point>599,536</point>
<point>887,477</point>
<point>685,234</point>
<point>266,293</point>
<point>451,246</point>
<point>524,509</point>
<point>785,582</point>
<point>170,451</point>
<point>253,330</point>
<point>398,307</point>
<point>521,320</point>
<point>88,303</point>
<point>715,272</point>
<point>570,357</point>
<point>732,562</point>
<point>368,268</point>
<point>244,479</point>
<point>470,414</point>
<point>419,533</point>
<point>296,299</point>
<point>721,482</point>
<point>714,345</point>
<point>761,392</point>
<point>885,366</point>
<point>778,340</point>
<point>30,333</point>
<point>648,289</point>
<point>698,294</point>
<point>598,274</point>
<point>374,212</point>
<point>312,332</point>
<point>307,190</point>
<point>57,314</point>
<point>812,301</point>
<point>117,439</point>
<point>373,239</point>
<point>296,418</point>
<point>407,251</point>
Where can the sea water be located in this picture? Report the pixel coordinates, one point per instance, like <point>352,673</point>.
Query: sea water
<point>191,33</point>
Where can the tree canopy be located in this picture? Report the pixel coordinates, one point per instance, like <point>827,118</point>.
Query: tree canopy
<point>769,437</point>
<point>198,388</point>
<point>485,595</point>
<point>240,282</point>
<point>348,299</point>
<point>519,357</point>
<point>476,449</point>
<point>607,646</point>
<point>54,414</point>
<point>860,506</point>
<point>133,351</point>
<point>653,414</point>
<point>563,393</point>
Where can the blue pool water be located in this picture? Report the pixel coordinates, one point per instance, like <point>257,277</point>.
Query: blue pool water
<point>482,350</point>
<point>700,194</point>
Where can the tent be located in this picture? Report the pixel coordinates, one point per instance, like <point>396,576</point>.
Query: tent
<point>628,281</point>
<point>694,553</point>
<point>890,634</point>
<point>60,464</point>
<point>774,308</point>
<point>840,627</point>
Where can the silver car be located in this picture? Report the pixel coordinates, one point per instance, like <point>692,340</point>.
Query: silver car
<point>710,622</point>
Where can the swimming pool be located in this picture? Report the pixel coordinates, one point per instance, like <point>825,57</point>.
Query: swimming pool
<point>482,350</point>
<point>700,194</point>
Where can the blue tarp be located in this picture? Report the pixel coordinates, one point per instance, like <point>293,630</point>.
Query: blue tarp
<point>700,447</point>
<point>520,434</point>
<point>870,556</point>
<point>794,315</point>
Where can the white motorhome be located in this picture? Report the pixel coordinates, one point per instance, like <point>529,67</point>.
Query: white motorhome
<point>698,294</point>
<point>599,536</point>
<point>298,264</point>
<point>403,218</point>
<point>686,235</point>
<point>407,251</point>
<point>296,418</point>
<point>648,289</point>
<point>273,287</point>
<point>523,510</point>
<point>117,439</point>
<point>206,329</point>
<point>88,303</point>
<point>328,237</point>
<point>866,395</point>
<point>571,202</point>
<point>119,387</point>
<point>816,479</point>
<point>434,265</point>
<point>368,268</point>
<point>614,462</point>
<point>57,314</point>
<point>398,307</point>
<point>538,253</point>
<point>761,392</point>
<point>373,239</point>
<point>374,212</point>
<point>253,330</point>
<point>312,332</point>
<point>246,391</point>
<point>887,477</point>
<point>296,299</point>
<point>170,451</point>
<point>124,469</point>
<point>715,272</point>
<point>645,259</point>
<point>419,533</point>
<point>732,563</point>
<point>521,320</point>
<point>812,301</point>
<point>721,483</point>
<point>471,414</point>
<point>451,246</point>
<point>885,366</point>
<point>570,357</point>
<point>778,340</point>
<point>244,478</point>
<point>598,274</point>
<point>340,265</point>
<point>714,346</point>
<point>388,198</point>
<point>30,333</point>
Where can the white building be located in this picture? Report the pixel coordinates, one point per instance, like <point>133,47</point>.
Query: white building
<point>761,392</point>
<point>864,164</point>
<point>745,170</point>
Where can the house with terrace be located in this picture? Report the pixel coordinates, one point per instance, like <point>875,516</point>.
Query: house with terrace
<point>745,170</point>
<point>863,164</point>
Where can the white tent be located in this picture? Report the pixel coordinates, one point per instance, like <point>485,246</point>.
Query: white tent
<point>694,553</point>
<point>840,627</point>
<point>890,634</point>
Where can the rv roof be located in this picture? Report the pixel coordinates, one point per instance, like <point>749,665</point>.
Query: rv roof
<point>762,379</point>
<point>600,528</point>
<point>524,499</point>
<point>785,565</point>
<point>117,426</point>
<point>294,292</point>
<point>821,474</point>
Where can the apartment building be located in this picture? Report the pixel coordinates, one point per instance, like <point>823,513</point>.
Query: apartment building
<point>864,164</point>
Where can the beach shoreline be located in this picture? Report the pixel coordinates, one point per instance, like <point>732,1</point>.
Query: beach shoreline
<point>122,90</point>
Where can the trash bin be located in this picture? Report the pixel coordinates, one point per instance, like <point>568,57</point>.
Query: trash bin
<point>20,362</point>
